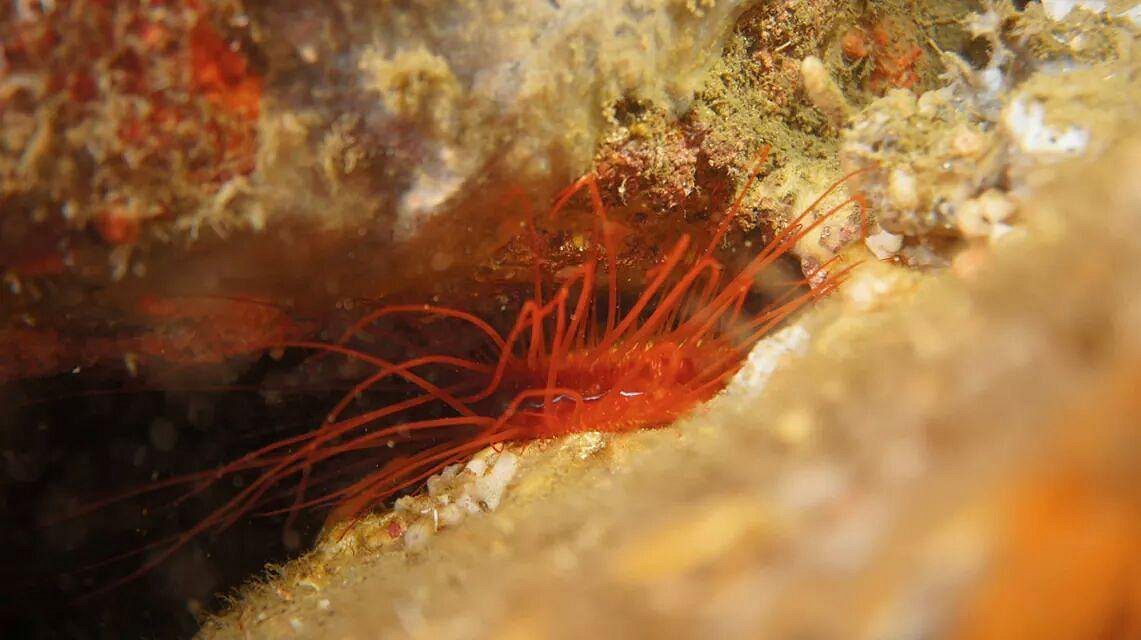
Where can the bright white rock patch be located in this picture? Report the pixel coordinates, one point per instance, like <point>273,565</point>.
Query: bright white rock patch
<point>1025,120</point>
<point>1059,9</point>
<point>455,493</point>
<point>764,359</point>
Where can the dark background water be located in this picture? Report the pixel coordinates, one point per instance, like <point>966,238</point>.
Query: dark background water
<point>70,439</point>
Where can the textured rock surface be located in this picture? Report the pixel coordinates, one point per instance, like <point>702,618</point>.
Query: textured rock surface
<point>939,457</point>
<point>401,108</point>
<point>334,133</point>
<point>928,433</point>
<point>181,149</point>
<point>922,455</point>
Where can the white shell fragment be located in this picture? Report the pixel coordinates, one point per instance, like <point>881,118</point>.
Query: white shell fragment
<point>766,357</point>
<point>884,244</point>
<point>1025,120</point>
<point>1059,9</point>
<point>823,91</point>
<point>453,494</point>
<point>489,489</point>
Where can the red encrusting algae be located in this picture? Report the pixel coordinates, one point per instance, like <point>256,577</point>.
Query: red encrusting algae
<point>570,363</point>
<point>895,59</point>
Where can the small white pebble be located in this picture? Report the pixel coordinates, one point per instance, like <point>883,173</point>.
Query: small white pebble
<point>884,244</point>
<point>996,207</point>
<point>417,535</point>
<point>296,624</point>
<point>490,488</point>
<point>323,604</point>
<point>982,216</point>
<point>467,503</point>
<point>477,466</point>
<point>452,515</point>
<point>969,218</point>
<point>902,190</point>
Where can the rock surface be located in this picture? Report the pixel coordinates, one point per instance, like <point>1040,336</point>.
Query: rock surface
<point>936,454</point>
